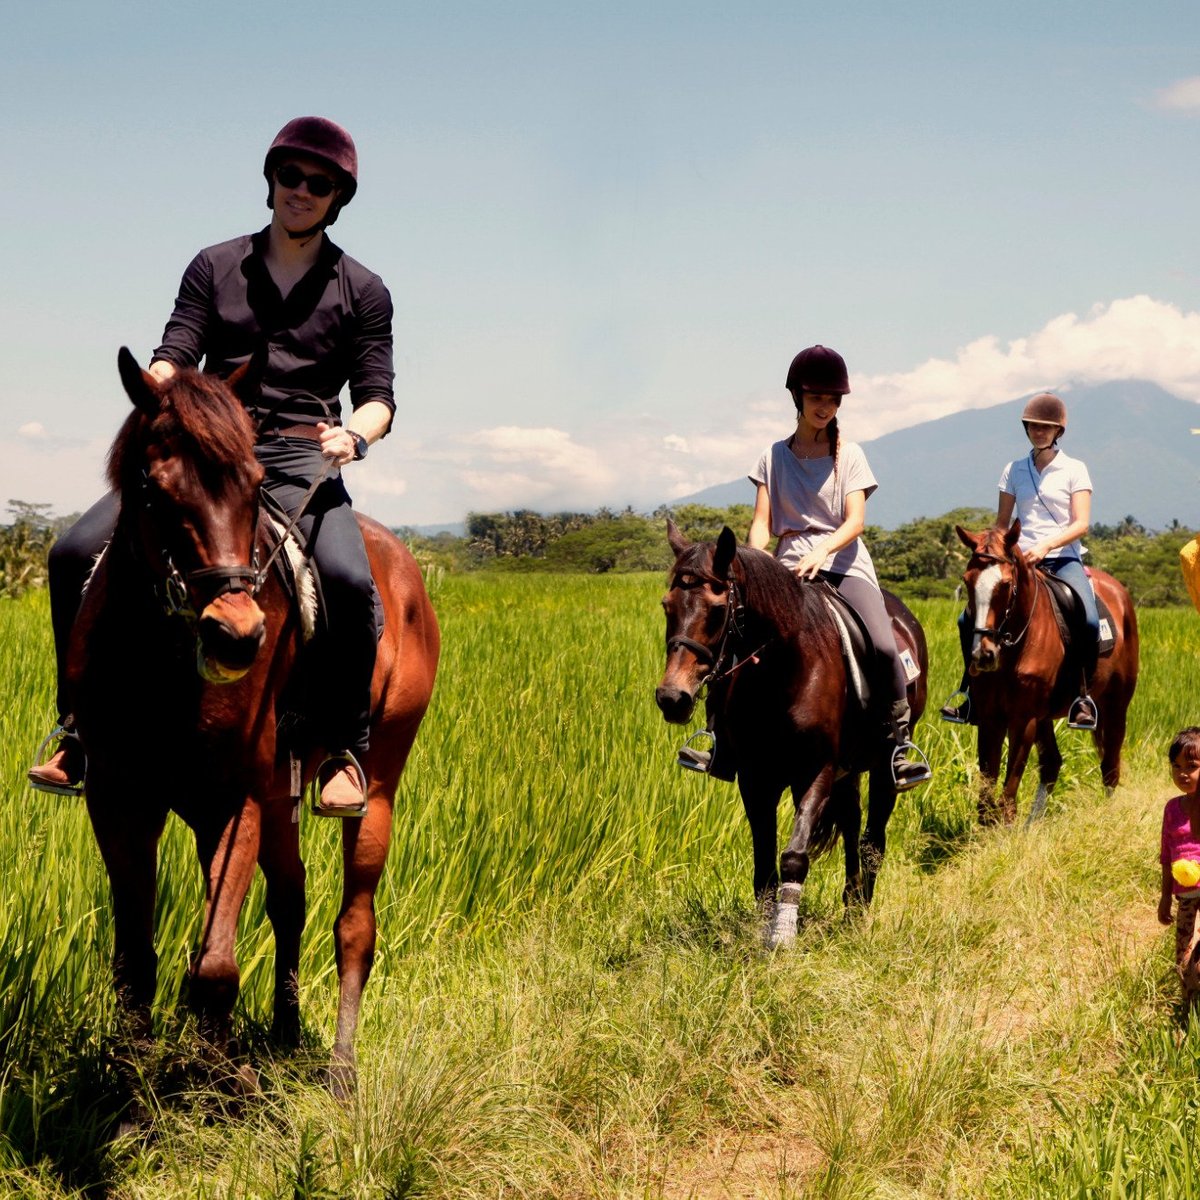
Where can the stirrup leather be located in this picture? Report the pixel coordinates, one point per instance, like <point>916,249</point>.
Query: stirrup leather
<point>329,767</point>
<point>57,734</point>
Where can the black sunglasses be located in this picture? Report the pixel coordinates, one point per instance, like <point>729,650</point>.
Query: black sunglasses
<point>291,176</point>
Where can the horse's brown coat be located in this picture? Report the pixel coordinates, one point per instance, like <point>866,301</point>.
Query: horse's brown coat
<point>1018,690</point>
<point>159,737</point>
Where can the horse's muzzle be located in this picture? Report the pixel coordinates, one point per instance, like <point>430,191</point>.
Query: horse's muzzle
<point>985,658</point>
<point>230,634</point>
<point>674,702</point>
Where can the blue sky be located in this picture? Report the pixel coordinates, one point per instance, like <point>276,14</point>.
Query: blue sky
<point>607,229</point>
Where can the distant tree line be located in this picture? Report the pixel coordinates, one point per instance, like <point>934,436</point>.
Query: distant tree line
<point>921,558</point>
<point>24,544</point>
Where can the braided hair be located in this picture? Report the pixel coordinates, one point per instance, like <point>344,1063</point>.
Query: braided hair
<point>831,429</point>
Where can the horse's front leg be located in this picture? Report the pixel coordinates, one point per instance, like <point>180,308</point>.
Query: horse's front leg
<point>1049,764</point>
<point>279,857</point>
<point>847,798</point>
<point>1021,735</point>
<point>810,797</point>
<point>881,801</point>
<point>364,852</point>
<point>760,800</point>
<point>228,851</point>
<point>127,833</point>
<point>990,749</point>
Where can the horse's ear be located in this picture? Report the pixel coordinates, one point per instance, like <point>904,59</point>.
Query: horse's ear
<point>1013,535</point>
<point>140,386</point>
<point>677,541</point>
<point>968,539</point>
<point>725,553</point>
<point>245,382</point>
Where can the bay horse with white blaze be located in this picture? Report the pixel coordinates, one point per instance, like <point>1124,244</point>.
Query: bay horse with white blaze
<point>1023,677</point>
<point>784,712</point>
<point>178,666</point>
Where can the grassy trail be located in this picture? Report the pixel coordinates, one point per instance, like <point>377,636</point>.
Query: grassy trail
<point>570,999</point>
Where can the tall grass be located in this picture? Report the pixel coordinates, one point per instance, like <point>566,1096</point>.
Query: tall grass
<point>569,999</point>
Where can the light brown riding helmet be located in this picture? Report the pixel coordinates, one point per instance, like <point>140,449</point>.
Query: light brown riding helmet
<point>1046,409</point>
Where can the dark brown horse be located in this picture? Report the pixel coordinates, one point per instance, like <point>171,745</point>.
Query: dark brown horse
<point>178,666</point>
<point>1022,676</point>
<point>785,714</point>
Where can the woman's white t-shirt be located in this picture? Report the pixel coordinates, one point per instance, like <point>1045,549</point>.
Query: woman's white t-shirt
<point>1043,502</point>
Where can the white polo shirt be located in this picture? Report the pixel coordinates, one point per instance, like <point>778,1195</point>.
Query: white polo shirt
<point>1043,502</point>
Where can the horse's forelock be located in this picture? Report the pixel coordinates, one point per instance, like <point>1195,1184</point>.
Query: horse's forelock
<point>199,412</point>
<point>210,418</point>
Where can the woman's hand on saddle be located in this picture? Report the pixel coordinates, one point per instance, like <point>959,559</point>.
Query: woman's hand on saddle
<point>1035,554</point>
<point>337,442</point>
<point>810,564</point>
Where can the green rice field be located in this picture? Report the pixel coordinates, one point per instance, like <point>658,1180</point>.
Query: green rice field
<point>570,999</point>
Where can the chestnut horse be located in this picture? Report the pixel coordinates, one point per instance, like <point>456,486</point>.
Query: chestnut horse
<point>1022,676</point>
<point>770,651</point>
<point>178,665</point>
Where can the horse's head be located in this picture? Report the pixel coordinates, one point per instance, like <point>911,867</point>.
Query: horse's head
<point>992,580</point>
<point>184,466</point>
<point>699,616</point>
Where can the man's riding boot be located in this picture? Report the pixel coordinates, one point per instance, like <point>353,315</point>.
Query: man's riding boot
<point>62,773</point>
<point>906,774</point>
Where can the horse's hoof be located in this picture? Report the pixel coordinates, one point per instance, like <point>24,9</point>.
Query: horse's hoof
<point>780,931</point>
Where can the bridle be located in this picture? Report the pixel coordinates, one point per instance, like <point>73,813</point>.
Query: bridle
<point>732,633</point>
<point>187,594</point>
<point>1004,638</point>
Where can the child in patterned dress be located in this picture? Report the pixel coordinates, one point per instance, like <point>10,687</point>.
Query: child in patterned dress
<point>1180,858</point>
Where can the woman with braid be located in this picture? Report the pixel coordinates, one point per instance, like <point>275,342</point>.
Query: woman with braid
<point>812,497</point>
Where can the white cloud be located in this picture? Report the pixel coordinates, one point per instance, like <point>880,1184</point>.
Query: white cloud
<point>669,452</point>
<point>1134,338</point>
<point>1182,95</point>
<point>513,466</point>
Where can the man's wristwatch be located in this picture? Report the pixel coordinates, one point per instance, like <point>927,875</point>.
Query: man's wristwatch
<point>360,446</point>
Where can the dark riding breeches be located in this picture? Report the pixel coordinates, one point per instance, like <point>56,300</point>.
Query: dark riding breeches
<point>71,560</point>
<point>867,602</point>
<point>345,647</point>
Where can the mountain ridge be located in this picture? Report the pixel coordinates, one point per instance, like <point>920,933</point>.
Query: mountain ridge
<point>1133,435</point>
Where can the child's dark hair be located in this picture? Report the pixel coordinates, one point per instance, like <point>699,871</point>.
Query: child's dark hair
<point>1186,745</point>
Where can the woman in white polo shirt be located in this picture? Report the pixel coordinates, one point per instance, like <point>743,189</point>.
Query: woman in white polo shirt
<point>1051,494</point>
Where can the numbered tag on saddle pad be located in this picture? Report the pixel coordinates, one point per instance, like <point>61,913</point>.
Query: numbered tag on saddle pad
<point>911,670</point>
<point>1105,630</point>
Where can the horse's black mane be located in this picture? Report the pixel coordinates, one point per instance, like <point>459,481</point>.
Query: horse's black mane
<point>770,590</point>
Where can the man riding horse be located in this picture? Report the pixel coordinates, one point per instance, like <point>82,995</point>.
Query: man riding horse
<point>312,319</point>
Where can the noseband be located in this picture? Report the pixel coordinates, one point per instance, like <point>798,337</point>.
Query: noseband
<point>176,588</point>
